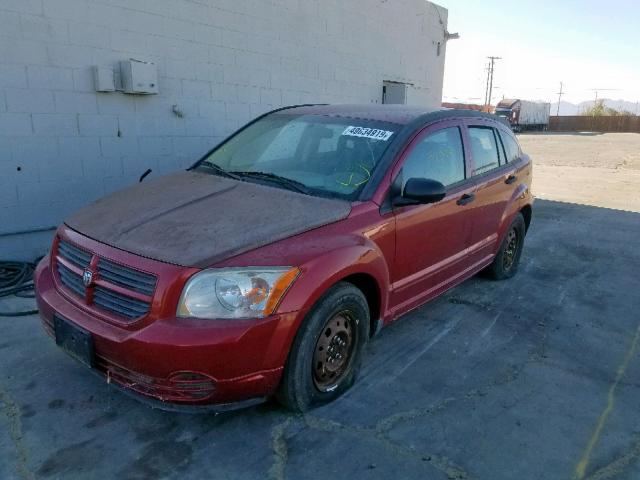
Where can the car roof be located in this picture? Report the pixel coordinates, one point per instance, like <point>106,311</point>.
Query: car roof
<point>398,114</point>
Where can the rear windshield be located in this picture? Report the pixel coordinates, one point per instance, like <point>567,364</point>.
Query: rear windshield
<point>329,156</point>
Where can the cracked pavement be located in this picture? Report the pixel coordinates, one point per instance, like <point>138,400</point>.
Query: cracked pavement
<point>523,379</point>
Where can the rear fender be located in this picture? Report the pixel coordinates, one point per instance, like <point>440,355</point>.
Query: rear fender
<point>521,197</point>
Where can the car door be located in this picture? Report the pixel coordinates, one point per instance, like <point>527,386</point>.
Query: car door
<point>495,183</point>
<point>431,239</point>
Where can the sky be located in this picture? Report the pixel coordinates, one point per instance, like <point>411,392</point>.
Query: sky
<point>584,44</point>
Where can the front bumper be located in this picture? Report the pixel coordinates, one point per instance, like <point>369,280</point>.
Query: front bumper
<point>187,362</point>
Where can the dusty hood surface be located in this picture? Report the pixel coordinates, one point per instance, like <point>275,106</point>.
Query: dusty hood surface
<point>197,219</point>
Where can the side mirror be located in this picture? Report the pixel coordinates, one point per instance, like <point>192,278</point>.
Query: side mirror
<point>421,190</point>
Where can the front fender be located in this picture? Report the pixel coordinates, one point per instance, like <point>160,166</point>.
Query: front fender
<point>325,270</point>
<point>317,276</point>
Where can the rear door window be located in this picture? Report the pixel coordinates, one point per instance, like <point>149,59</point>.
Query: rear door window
<point>439,156</point>
<point>484,147</point>
<point>511,146</point>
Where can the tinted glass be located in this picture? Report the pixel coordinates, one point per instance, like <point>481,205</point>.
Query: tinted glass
<point>510,146</point>
<point>330,156</point>
<point>484,149</point>
<point>438,156</point>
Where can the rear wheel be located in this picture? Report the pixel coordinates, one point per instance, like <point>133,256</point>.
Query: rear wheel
<point>326,353</point>
<point>506,262</point>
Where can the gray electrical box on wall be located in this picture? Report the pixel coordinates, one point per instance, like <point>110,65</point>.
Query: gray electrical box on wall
<point>394,92</point>
<point>104,79</point>
<point>139,77</point>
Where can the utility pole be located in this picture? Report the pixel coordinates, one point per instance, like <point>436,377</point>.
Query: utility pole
<point>602,90</point>
<point>559,98</point>
<point>490,78</point>
<point>486,85</point>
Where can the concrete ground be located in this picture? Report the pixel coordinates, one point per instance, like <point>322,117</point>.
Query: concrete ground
<point>533,378</point>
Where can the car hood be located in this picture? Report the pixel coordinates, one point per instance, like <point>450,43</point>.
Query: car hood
<point>197,219</point>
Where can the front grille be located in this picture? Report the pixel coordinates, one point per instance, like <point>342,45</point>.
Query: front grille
<point>108,274</point>
<point>126,277</point>
<point>74,254</point>
<point>71,280</point>
<point>120,304</point>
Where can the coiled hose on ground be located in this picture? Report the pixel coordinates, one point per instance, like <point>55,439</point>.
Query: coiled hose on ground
<point>16,278</point>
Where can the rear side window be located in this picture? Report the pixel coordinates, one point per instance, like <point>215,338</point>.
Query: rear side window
<point>484,147</point>
<point>511,146</point>
<point>439,156</point>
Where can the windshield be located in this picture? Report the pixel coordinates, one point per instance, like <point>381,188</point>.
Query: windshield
<point>327,156</point>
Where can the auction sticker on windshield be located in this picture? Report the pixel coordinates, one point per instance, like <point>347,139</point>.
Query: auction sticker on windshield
<point>366,132</point>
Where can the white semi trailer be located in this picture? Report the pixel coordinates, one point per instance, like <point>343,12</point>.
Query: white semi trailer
<point>524,115</point>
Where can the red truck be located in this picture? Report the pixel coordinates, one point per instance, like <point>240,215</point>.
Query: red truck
<point>265,267</point>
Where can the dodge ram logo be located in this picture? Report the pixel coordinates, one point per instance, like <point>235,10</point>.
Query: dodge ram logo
<point>87,277</point>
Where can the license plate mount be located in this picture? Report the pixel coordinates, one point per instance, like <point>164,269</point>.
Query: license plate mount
<point>74,340</point>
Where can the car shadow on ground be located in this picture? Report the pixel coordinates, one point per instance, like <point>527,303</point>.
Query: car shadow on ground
<point>496,380</point>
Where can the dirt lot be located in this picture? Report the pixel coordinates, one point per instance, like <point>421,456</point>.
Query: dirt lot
<point>588,168</point>
<point>533,378</point>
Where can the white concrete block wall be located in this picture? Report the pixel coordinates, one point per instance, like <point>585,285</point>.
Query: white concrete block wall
<point>221,62</point>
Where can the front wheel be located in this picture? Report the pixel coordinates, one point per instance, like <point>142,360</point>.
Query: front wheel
<point>505,263</point>
<point>326,353</point>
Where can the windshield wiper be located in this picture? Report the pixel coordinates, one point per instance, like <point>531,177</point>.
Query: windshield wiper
<point>220,171</point>
<point>284,181</point>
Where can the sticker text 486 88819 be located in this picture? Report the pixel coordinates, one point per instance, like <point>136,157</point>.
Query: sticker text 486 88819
<point>366,132</point>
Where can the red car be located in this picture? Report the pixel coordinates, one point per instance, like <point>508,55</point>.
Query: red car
<point>266,267</point>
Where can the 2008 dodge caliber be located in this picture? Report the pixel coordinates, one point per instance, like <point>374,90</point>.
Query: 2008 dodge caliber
<point>265,267</point>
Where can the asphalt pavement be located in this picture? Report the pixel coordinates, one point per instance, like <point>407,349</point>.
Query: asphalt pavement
<point>532,378</point>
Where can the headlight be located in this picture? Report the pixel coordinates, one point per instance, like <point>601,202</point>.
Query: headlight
<point>235,292</point>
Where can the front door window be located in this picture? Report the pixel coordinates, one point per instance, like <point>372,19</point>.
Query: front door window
<point>438,156</point>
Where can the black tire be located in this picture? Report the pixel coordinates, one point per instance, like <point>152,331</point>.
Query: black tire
<point>506,262</point>
<point>303,383</point>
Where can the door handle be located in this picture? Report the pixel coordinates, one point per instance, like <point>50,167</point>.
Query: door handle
<point>466,198</point>
<point>510,179</point>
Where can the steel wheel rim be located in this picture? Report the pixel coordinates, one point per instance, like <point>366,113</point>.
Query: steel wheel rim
<point>511,250</point>
<point>333,352</point>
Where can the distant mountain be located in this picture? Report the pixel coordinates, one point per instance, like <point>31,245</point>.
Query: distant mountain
<point>567,108</point>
